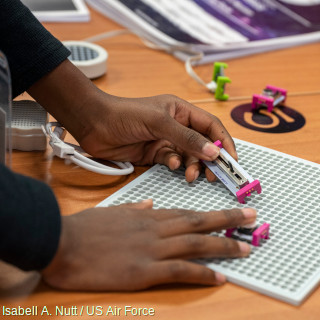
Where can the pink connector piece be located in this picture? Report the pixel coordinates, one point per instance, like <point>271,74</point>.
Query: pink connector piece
<point>229,232</point>
<point>261,232</point>
<point>270,99</point>
<point>248,189</point>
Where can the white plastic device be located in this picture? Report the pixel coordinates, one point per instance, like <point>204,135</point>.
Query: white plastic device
<point>28,117</point>
<point>30,129</point>
<point>90,58</point>
<point>74,153</point>
<point>58,11</point>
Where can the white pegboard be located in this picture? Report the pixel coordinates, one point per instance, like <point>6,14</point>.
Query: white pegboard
<point>27,118</point>
<point>287,266</point>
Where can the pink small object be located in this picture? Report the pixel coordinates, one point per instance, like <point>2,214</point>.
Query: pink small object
<point>248,189</point>
<point>268,100</point>
<point>229,232</point>
<point>261,232</point>
<point>218,144</point>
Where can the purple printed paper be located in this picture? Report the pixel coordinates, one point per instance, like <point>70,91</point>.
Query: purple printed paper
<point>265,19</point>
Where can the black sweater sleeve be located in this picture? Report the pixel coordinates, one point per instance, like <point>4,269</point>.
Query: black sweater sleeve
<point>29,214</point>
<point>31,50</point>
<point>29,220</point>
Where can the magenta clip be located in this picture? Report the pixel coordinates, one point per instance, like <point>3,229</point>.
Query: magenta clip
<point>229,232</point>
<point>248,189</point>
<point>218,144</point>
<point>269,101</point>
<point>261,232</point>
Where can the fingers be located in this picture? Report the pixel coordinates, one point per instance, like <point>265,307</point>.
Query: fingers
<point>210,176</point>
<point>192,222</point>
<point>179,271</point>
<point>207,124</point>
<point>189,140</point>
<point>171,157</point>
<point>211,126</point>
<point>229,146</point>
<point>194,246</point>
<point>193,168</point>
<point>168,157</point>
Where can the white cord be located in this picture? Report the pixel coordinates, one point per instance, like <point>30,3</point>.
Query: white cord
<point>72,153</point>
<point>109,34</point>
<point>211,86</point>
<point>196,56</point>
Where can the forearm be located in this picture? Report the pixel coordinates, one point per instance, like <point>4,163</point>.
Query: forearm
<point>68,95</point>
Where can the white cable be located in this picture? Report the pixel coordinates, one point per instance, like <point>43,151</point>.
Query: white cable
<point>109,34</point>
<point>211,86</point>
<point>196,56</point>
<point>72,153</point>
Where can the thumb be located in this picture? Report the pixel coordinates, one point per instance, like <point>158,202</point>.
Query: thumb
<point>189,140</point>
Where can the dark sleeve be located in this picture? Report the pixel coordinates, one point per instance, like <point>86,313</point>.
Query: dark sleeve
<point>31,50</point>
<point>29,219</point>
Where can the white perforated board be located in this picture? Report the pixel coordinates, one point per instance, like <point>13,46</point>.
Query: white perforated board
<point>287,266</point>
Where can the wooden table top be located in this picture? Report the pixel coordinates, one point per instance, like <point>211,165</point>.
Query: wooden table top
<point>135,71</point>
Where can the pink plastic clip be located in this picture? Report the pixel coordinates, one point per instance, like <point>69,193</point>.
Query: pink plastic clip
<point>261,232</point>
<point>229,232</point>
<point>247,190</point>
<point>258,99</point>
<point>218,144</point>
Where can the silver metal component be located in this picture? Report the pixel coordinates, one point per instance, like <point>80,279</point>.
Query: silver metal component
<point>233,174</point>
<point>269,93</point>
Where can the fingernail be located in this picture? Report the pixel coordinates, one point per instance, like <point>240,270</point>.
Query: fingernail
<point>176,165</point>
<point>220,278</point>
<point>249,213</point>
<point>146,200</point>
<point>196,175</point>
<point>244,248</point>
<point>250,225</point>
<point>211,150</point>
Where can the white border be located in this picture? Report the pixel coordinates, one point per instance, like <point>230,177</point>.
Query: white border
<point>81,14</point>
